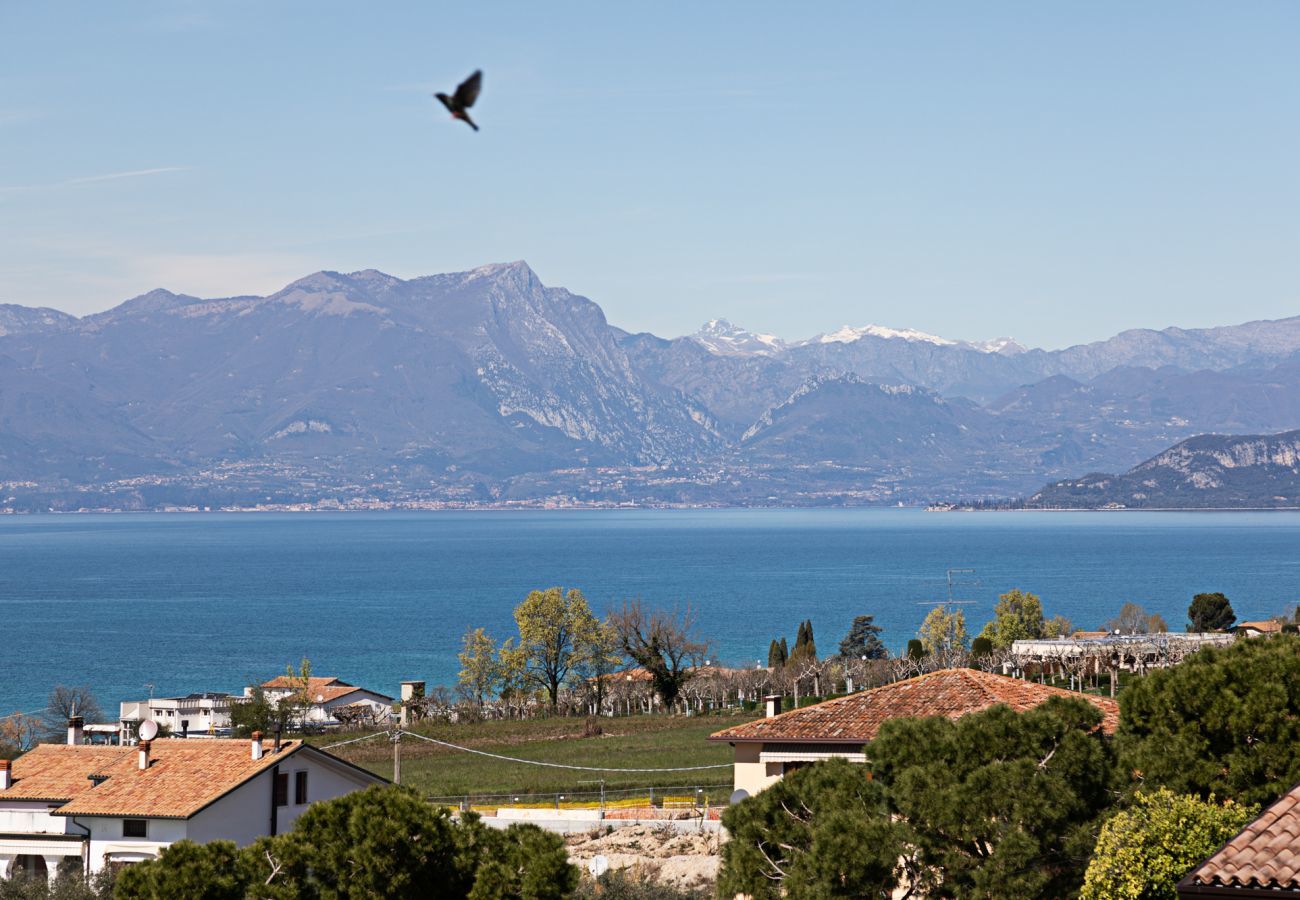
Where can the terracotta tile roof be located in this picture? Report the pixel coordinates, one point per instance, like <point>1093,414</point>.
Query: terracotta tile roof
<point>327,689</point>
<point>1266,854</point>
<point>182,778</point>
<point>313,684</point>
<point>1268,626</point>
<point>857,718</point>
<point>60,771</point>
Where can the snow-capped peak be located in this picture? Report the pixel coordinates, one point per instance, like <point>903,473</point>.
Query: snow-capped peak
<point>1007,346</point>
<point>721,337</point>
<point>848,334</point>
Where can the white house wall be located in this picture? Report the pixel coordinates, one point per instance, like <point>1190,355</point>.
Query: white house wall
<point>245,814</point>
<point>107,842</point>
<point>30,817</point>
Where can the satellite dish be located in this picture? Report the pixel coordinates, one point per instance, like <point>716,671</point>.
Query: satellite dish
<point>738,795</point>
<point>320,698</point>
<point>148,730</point>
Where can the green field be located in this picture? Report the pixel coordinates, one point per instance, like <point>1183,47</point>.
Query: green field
<point>630,742</point>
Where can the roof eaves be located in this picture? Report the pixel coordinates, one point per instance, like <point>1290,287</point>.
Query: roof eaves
<point>276,757</point>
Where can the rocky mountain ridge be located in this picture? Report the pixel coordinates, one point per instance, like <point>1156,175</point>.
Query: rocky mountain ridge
<point>1209,471</point>
<point>487,386</point>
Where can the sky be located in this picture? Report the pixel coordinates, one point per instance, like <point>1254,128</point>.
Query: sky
<point>1054,172</point>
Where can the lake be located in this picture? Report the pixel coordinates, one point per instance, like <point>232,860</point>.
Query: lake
<point>212,602</point>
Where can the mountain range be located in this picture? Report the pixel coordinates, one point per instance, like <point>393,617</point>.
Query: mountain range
<point>1209,471</point>
<point>488,387</point>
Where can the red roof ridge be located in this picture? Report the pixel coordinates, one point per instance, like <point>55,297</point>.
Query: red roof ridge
<point>957,691</point>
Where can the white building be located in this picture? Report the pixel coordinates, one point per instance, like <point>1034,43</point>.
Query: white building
<point>82,807</point>
<point>194,715</point>
<point>327,695</point>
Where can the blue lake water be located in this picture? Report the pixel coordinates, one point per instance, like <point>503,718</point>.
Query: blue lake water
<point>211,602</point>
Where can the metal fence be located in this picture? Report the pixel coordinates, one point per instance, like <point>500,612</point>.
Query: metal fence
<point>683,799</point>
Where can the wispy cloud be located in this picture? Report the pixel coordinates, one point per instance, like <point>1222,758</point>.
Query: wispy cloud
<point>94,179</point>
<point>134,173</point>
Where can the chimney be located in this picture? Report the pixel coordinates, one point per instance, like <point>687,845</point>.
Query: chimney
<point>256,745</point>
<point>144,754</point>
<point>76,730</point>
<point>6,775</point>
<point>773,704</point>
<point>411,690</point>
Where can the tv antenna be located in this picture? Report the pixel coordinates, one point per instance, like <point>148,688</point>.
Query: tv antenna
<point>955,581</point>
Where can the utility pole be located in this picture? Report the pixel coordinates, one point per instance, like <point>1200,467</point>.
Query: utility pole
<point>397,756</point>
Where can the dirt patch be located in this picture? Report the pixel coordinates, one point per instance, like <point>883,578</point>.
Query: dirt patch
<point>684,859</point>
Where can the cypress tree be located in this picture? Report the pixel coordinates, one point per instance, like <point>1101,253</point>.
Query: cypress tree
<point>785,652</point>
<point>810,645</point>
<point>774,655</point>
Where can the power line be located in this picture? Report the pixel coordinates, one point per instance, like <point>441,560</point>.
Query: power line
<point>530,762</point>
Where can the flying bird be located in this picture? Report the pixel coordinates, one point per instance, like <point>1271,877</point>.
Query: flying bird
<point>463,99</point>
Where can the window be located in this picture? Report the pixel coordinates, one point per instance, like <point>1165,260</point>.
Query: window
<point>135,828</point>
<point>281,789</point>
<point>299,788</point>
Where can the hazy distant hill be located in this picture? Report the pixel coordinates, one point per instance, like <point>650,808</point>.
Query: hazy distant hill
<point>1209,471</point>
<point>487,386</point>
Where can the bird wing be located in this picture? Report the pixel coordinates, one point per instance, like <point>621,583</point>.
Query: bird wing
<point>467,91</point>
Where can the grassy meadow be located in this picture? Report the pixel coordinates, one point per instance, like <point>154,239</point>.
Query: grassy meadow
<point>626,742</point>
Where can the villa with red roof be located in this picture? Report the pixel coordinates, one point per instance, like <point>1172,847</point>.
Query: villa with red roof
<point>83,807</point>
<point>768,748</point>
<point>326,695</point>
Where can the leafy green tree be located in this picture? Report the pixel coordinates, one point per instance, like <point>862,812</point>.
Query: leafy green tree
<point>382,841</point>
<point>998,803</point>
<point>775,659</point>
<point>785,652</point>
<point>70,884</point>
<point>1017,616</point>
<point>981,646</point>
<point>555,630</point>
<point>821,832</point>
<point>805,647</point>
<point>1225,721</point>
<point>480,672</point>
<point>185,869</point>
<point>259,713</point>
<point>1145,850</point>
<point>943,630</point>
<point>863,640</point>
<point>527,863</point>
<point>600,659</point>
<point>1210,612</point>
<point>1133,619</point>
<point>915,649</point>
<point>1058,626</point>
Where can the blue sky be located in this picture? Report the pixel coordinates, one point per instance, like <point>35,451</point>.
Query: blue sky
<point>1057,172</point>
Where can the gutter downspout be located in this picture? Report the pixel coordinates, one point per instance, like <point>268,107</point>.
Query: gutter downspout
<point>275,777</point>
<point>85,847</point>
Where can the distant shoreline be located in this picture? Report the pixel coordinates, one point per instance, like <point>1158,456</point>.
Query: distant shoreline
<point>623,508</point>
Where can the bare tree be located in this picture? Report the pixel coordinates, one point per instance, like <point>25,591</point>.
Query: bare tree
<point>662,643</point>
<point>19,733</point>
<point>65,702</point>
